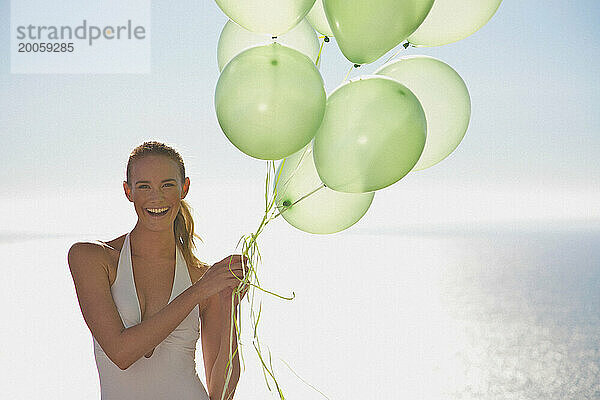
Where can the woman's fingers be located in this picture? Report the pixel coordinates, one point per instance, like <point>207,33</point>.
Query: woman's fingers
<point>230,260</point>
<point>235,269</point>
<point>237,266</point>
<point>235,259</point>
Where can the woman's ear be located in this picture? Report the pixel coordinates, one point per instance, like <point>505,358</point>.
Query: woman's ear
<point>186,187</point>
<point>127,190</point>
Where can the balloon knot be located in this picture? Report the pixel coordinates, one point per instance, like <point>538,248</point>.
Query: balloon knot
<point>356,65</point>
<point>405,45</point>
<point>326,39</point>
<point>286,203</point>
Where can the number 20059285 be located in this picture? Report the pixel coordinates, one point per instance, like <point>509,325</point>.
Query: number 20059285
<point>45,48</point>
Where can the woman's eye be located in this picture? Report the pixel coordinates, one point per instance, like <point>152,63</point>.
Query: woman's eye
<point>146,186</point>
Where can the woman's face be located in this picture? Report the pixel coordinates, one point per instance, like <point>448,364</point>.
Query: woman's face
<point>156,185</point>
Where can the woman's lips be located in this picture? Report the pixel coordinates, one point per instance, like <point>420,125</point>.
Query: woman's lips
<point>157,215</point>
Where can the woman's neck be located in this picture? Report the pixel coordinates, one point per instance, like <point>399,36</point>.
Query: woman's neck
<point>152,244</point>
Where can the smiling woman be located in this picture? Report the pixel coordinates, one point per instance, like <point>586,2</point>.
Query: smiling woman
<point>143,293</point>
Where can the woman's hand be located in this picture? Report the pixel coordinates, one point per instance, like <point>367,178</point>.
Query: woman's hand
<point>225,296</point>
<point>218,278</point>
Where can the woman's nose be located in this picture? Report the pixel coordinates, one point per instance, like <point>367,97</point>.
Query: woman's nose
<point>156,193</point>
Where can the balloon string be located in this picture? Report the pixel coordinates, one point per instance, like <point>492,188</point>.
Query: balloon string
<point>297,201</point>
<point>303,379</point>
<point>404,46</point>
<point>306,195</point>
<point>251,254</point>
<point>320,50</point>
<point>250,250</point>
<point>346,78</point>
<point>285,184</point>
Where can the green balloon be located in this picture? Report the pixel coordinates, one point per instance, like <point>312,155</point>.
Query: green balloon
<point>452,20</point>
<point>234,39</point>
<point>317,18</point>
<point>270,101</point>
<point>365,30</point>
<point>272,17</point>
<point>444,98</point>
<point>372,135</point>
<point>325,210</point>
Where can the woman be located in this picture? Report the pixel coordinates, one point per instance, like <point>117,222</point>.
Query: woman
<point>143,294</point>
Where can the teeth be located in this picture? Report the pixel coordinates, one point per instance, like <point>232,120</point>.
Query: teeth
<point>157,210</point>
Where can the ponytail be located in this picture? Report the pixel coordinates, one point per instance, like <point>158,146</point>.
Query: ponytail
<point>183,228</point>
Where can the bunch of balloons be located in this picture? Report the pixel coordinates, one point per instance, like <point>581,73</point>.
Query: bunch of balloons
<point>337,150</point>
<point>369,132</point>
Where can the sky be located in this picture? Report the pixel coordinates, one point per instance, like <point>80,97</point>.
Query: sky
<point>531,73</point>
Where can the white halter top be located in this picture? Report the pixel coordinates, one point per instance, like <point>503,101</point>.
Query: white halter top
<point>170,373</point>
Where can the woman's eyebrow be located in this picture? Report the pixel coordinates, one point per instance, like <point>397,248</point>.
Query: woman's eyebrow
<point>165,180</point>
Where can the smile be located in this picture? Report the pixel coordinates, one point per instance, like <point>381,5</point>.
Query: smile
<point>157,212</point>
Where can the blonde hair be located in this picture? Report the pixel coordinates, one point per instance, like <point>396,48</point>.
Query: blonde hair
<point>183,226</point>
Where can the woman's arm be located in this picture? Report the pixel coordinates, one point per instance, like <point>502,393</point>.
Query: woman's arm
<point>216,325</point>
<point>122,346</point>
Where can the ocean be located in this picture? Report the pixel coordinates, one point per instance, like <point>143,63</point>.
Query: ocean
<point>493,314</point>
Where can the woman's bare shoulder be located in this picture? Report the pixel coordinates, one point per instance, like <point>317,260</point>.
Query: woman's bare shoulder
<point>99,250</point>
<point>88,251</point>
<point>115,244</point>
